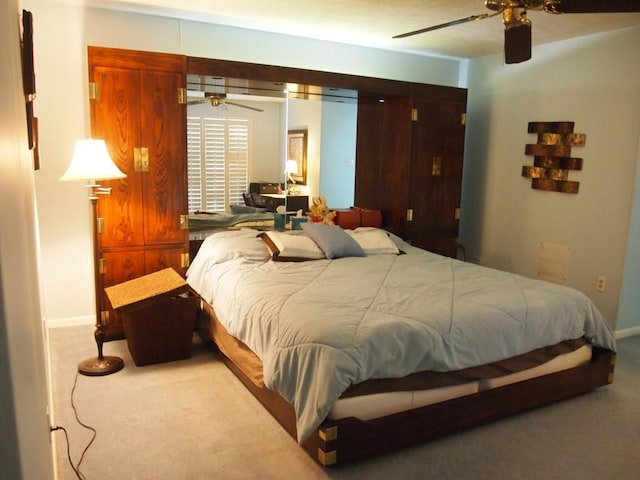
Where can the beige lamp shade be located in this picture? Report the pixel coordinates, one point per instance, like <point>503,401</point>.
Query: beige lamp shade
<point>292,167</point>
<point>91,161</point>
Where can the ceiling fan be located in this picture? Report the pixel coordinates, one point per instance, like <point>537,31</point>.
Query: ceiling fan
<point>517,27</point>
<point>218,99</point>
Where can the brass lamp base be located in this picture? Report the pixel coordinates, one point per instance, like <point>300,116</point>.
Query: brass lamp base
<point>99,366</point>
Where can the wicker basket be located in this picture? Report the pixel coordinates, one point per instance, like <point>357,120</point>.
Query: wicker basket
<point>158,313</point>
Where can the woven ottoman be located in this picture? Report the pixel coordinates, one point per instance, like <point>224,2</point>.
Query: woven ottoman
<point>158,314</point>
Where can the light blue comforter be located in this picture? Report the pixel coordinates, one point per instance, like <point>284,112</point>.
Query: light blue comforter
<point>320,326</point>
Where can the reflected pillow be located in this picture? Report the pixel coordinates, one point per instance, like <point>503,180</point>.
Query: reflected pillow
<point>246,209</point>
<point>333,240</point>
<point>291,248</point>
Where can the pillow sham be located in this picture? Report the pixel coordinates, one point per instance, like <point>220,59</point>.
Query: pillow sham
<point>224,246</point>
<point>374,241</point>
<point>240,246</point>
<point>291,248</point>
<point>333,240</point>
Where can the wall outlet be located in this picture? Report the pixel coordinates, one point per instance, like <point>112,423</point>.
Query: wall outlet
<point>601,285</point>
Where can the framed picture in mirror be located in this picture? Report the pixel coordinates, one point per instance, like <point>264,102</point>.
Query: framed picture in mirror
<point>297,151</point>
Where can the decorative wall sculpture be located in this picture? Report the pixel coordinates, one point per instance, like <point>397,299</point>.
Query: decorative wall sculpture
<point>552,158</point>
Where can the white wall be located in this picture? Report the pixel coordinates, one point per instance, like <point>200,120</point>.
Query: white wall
<point>594,82</point>
<point>25,450</point>
<point>338,173</point>
<point>629,313</point>
<point>62,34</point>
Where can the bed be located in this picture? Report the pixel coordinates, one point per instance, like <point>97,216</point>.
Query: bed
<point>359,343</point>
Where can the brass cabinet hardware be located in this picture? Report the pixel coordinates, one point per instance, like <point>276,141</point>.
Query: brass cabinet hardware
<point>436,166</point>
<point>184,222</point>
<point>94,91</point>
<point>141,159</point>
<point>182,95</point>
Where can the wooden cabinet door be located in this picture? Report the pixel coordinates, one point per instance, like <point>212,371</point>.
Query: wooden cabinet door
<point>163,134</point>
<point>383,152</point>
<point>115,115</point>
<point>118,267</point>
<point>436,175</point>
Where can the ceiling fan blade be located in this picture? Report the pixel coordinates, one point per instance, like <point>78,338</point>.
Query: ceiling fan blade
<point>592,6</point>
<point>517,43</point>
<point>197,102</point>
<point>472,18</point>
<point>243,106</point>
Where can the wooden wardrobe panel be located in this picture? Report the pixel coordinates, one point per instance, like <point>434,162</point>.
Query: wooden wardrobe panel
<point>436,175</point>
<point>163,132</point>
<point>118,267</point>
<point>115,117</point>
<point>383,147</point>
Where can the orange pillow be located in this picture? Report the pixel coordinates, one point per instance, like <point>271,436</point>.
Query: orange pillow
<point>347,219</point>
<point>370,218</point>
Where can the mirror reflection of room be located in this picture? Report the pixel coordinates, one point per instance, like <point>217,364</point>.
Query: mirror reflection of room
<point>243,138</point>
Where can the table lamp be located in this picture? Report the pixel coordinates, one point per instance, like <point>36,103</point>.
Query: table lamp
<point>292,169</point>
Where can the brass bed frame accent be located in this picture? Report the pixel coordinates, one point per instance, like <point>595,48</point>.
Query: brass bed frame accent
<point>350,439</point>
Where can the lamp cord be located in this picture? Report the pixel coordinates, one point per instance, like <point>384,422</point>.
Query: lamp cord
<point>76,468</point>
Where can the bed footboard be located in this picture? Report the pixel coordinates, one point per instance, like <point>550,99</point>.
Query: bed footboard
<point>350,439</point>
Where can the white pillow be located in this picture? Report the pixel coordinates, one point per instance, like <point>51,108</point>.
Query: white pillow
<point>291,248</point>
<point>242,246</point>
<point>226,245</point>
<point>374,241</point>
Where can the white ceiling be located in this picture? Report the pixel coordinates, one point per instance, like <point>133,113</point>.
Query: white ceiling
<point>370,23</point>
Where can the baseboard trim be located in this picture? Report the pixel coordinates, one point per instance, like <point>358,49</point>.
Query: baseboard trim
<point>627,332</point>
<point>71,321</point>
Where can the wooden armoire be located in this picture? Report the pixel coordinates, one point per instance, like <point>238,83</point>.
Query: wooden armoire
<point>409,163</point>
<point>138,107</point>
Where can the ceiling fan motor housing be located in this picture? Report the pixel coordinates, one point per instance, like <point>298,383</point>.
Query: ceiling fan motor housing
<point>500,5</point>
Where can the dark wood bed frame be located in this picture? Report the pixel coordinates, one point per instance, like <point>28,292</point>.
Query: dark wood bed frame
<point>350,439</point>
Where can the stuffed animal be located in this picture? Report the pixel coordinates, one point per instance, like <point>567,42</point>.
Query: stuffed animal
<point>320,211</point>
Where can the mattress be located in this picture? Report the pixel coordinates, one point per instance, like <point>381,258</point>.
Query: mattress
<point>358,402</point>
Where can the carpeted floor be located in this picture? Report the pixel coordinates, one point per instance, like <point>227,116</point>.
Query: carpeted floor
<point>192,419</point>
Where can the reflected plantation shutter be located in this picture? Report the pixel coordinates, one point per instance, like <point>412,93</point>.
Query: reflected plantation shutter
<point>238,160</point>
<point>214,171</point>
<point>218,162</point>
<point>194,164</point>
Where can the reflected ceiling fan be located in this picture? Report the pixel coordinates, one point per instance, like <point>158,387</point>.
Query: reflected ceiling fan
<point>218,99</point>
<point>517,27</point>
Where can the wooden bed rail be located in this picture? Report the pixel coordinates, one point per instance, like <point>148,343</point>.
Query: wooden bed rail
<point>347,440</point>
<point>350,439</point>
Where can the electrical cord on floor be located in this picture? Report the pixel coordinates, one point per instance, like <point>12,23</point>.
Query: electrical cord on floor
<point>76,468</point>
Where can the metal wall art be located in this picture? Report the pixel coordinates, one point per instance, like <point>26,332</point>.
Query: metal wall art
<point>552,158</point>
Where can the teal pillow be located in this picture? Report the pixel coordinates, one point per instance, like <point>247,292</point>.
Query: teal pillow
<point>333,240</point>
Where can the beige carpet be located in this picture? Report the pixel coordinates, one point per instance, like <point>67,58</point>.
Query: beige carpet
<point>192,419</point>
